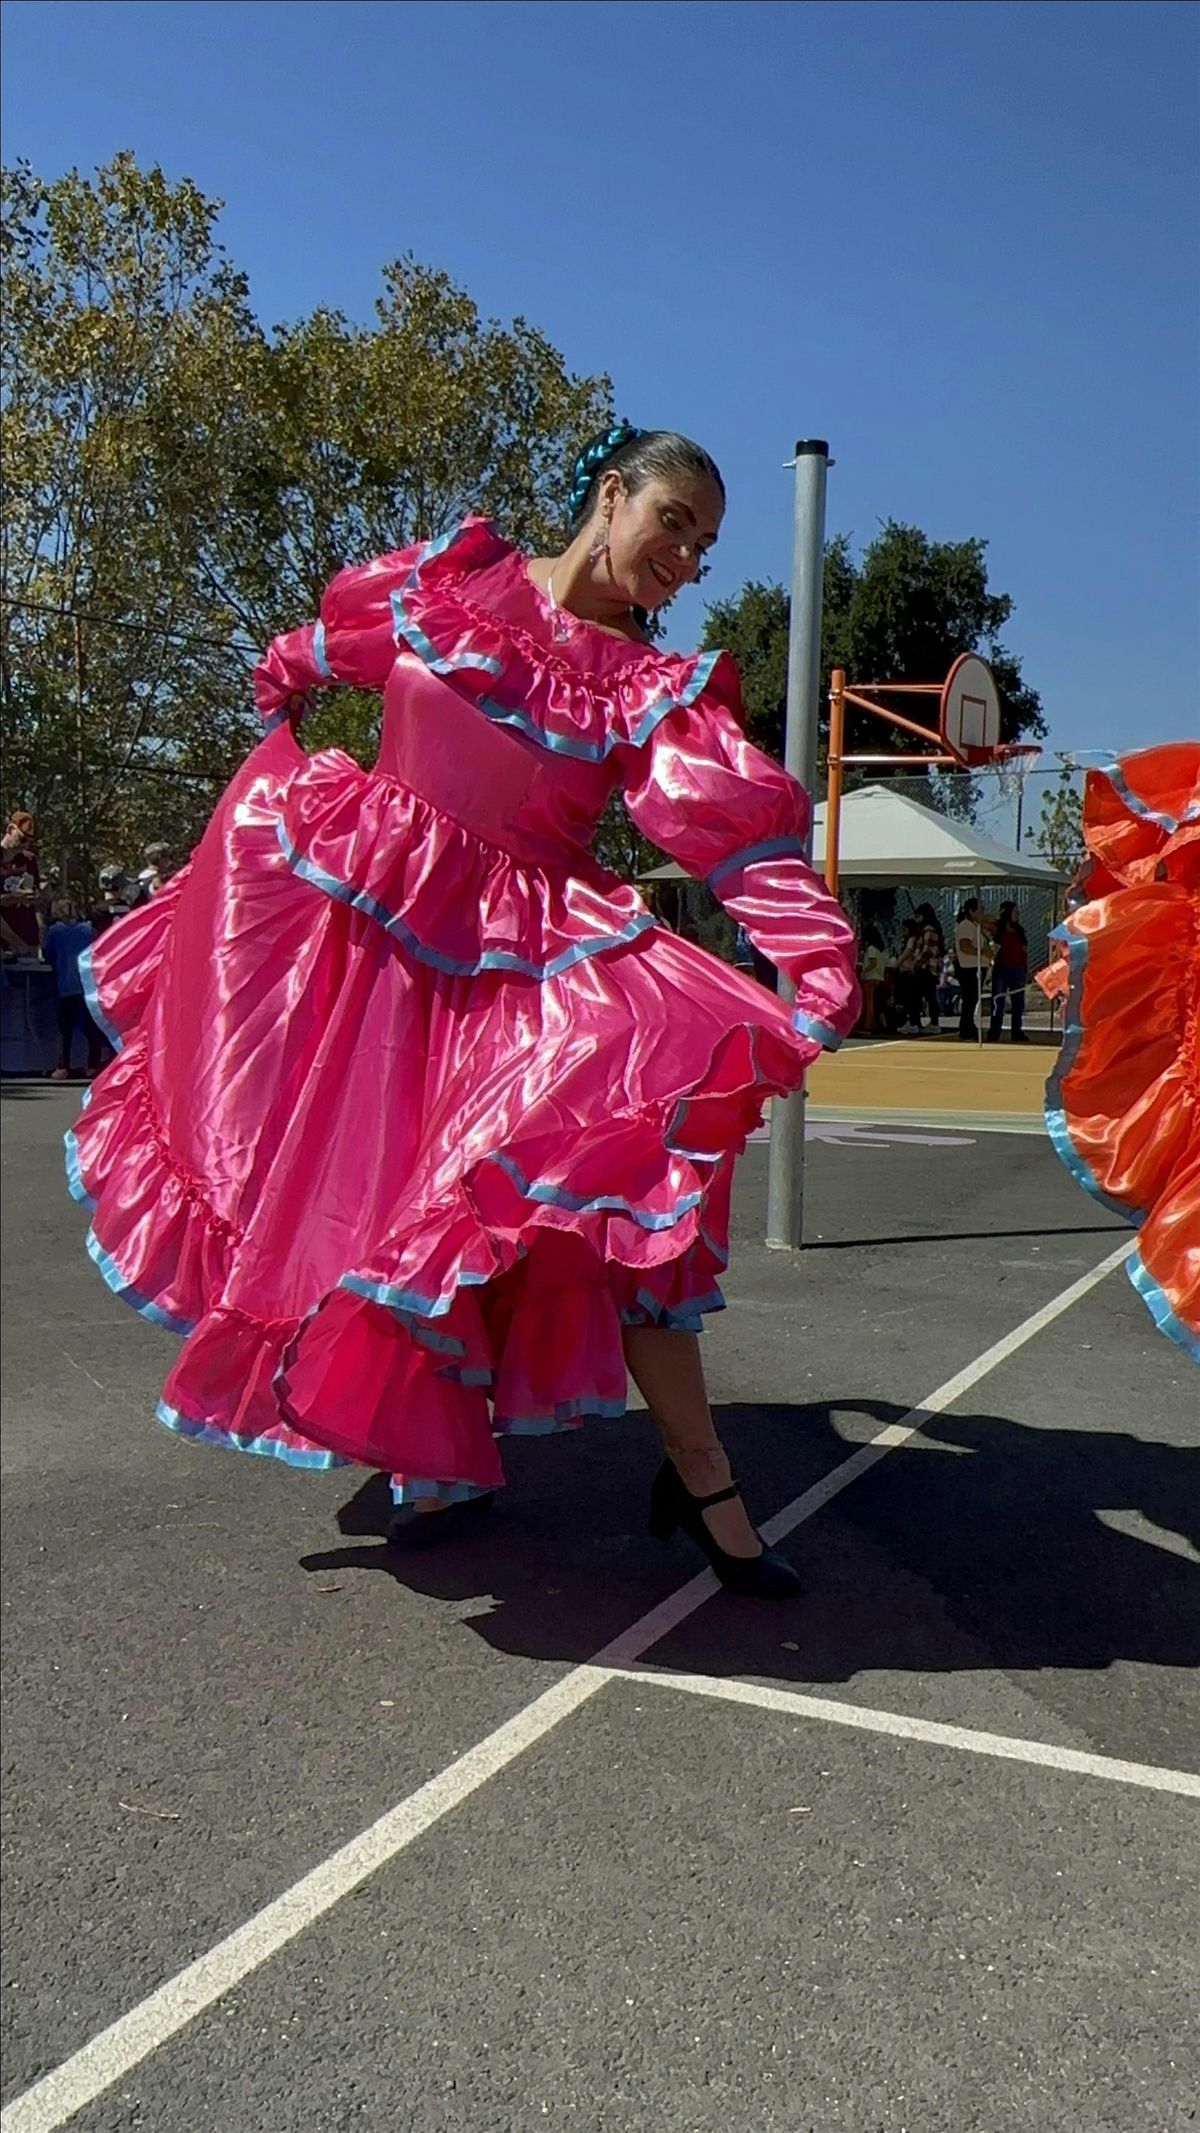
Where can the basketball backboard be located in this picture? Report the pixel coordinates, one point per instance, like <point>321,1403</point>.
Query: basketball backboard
<point>970,710</point>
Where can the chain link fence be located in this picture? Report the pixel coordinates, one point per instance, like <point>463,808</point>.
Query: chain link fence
<point>1029,813</point>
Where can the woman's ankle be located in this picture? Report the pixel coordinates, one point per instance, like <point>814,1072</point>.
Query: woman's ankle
<point>703,1469</point>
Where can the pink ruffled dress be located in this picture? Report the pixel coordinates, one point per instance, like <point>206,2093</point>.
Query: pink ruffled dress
<point>414,1105</point>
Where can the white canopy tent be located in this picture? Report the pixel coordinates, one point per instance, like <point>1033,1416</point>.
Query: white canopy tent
<point>888,840</point>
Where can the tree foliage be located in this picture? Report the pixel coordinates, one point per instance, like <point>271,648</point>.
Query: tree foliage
<point>181,483</point>
<point>112,660</point>
<point>903,611</point>
<point>1058,835</point>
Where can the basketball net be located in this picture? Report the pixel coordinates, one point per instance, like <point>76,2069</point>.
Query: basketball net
<point>1014,768</point>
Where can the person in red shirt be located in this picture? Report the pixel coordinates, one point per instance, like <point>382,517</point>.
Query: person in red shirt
<point>1010,974</point>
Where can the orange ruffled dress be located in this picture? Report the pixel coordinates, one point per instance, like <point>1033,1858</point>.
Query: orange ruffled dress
<point>414,1106</point>
<point>1123,1105</point>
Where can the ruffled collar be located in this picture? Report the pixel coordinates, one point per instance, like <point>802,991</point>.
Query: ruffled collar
<point>493,572</point>
<point>470,610</point>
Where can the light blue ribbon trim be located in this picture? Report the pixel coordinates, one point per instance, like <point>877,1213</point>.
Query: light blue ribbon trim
<point>438,1343</point>
<point>447,1492</point>
<point>92,995</point>
<point>320,660</point>
<point>812,1026</point>
<point>262,1447</point>
<point>500,714</point>
<point>427,651</point>
<point>111,1273</point>
<point>1110,767</point>
<point>75,1185</point>
<point>690,1155</point>
<point>1067,1153</point>
<point>406,1303</point>
<point>654,717</point>
<point>564,1414</point>
<point>751,854</point>
<point>681,1318</point>
<point>608,1204</point>
<point>492,958</point>
<point>1156,1301</point>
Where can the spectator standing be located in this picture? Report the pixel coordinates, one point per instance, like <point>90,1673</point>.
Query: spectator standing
<point>66,938</point>
<point>114,890</point>
<point>947,991</point>
<point>21,880</point>
<point>1010,974</point>
<point>907,978</point>
<point>154,875</point>
<point>872,972</point>
<point>931,951</point>
<point>972,955</point>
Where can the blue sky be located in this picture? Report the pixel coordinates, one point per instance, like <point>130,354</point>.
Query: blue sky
<point>958,240</point>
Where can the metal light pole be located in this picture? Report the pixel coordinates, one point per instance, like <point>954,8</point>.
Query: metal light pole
<point>785,1184</point>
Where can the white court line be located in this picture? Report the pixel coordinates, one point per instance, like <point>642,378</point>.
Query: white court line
<point>134,2036</point>
<point>1152,1776</point>
<point>802,1507</point>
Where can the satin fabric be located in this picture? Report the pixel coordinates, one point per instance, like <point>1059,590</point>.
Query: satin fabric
<point>415,1106</point>
<point>1123,1105</point>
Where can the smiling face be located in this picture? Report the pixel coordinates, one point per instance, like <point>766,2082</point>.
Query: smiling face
<point>658,536</point>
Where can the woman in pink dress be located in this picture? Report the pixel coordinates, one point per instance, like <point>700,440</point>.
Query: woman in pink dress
<point>420,1131</point>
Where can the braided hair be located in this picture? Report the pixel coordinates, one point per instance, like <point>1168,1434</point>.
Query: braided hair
<point>638,456</point>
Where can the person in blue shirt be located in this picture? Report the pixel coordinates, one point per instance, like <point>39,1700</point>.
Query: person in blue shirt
<point>64,941</point>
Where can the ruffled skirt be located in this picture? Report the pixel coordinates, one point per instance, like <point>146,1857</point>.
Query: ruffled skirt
<point>1123,1105</point>
<point>398,1177</point>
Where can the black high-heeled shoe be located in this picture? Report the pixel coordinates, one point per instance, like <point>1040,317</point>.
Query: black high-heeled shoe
<point>673,1507</point>
<point>410,1528</point>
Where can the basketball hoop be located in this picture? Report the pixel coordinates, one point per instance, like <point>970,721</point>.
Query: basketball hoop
<point>967,737</point>
<point>1014,765</point>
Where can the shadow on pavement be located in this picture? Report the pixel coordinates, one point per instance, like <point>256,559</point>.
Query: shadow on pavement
<point>982,1544</point>
<point>963,1236</point>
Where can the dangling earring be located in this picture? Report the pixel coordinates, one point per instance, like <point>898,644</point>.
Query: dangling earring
<point>599,546</point>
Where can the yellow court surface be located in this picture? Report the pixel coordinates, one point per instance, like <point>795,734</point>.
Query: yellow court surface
<point>927,1077</point>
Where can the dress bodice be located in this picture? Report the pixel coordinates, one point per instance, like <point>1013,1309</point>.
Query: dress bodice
<point>489,778</point>
<point>507,725</point>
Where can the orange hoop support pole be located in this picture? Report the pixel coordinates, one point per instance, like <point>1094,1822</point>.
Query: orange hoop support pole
<point>833,789</point>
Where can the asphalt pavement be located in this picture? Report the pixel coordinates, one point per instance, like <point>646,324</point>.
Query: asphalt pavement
<point>915,1853</point>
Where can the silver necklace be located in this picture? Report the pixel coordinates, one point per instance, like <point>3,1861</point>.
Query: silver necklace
<point>561,628</point>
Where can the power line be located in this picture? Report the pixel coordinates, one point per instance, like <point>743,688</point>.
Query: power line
<point>119,622</point>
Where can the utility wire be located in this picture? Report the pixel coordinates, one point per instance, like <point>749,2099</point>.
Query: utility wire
<point>119,622</point>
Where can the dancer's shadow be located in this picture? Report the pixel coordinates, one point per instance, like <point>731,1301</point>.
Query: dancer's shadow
<point>982,1543</point>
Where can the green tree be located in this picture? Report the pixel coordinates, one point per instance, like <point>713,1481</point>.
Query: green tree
<point>357,440</point>
<point>1059,834</point>
<point>182,484</point>
<point>114,669</point>
<point>901,612</point>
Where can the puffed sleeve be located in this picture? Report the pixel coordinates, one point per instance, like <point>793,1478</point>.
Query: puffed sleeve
<point>736,819</point>
<point>353,644</point>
